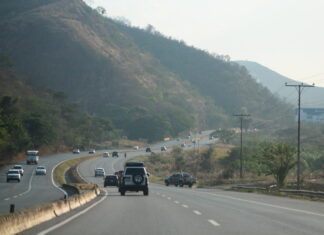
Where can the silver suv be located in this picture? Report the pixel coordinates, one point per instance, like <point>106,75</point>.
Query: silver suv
<point>134,178</point>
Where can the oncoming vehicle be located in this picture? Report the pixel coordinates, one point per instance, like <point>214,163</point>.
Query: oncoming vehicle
<point>163,148</point>
<point>136,148</point>
<point>20,168</point>
<point>105,154</point>
<point>92,151</point>
<point>135,178</point>
<point>99,172</point>
<point>111,180</point>
<point>32,157</point>
<point>180,179</point>
<point>13,174</point>
<point>115,154</point>
<point>148,150</point>
<point>76,151</point>
<point>40,170</point>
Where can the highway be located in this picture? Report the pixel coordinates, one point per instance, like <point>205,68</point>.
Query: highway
<point>172,210</point>
<point>33,190</point>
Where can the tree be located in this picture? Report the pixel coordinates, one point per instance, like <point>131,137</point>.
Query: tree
<point>278,158</point>
<point>226,136</point>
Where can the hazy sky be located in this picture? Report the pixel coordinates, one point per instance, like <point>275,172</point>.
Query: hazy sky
<point>285,35</point>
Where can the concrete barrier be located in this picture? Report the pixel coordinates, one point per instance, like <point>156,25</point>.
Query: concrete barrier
<point>19,221</point>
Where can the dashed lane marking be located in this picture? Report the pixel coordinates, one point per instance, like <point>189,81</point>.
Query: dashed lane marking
<point>213,222</point>
<point>176,202</point>
<point>169,198</point>
<point>185,206</point>
<point>197,212</point>
<point>8,198</point>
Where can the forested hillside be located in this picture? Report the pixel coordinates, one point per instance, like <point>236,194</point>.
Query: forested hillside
<point>33,117</point>
<point>148,85</point>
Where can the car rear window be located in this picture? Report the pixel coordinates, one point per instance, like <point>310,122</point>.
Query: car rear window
<point>135,171</point>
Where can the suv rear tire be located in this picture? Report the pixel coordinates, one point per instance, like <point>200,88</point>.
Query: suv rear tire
<point>122,193</point>
<point>146,192</point>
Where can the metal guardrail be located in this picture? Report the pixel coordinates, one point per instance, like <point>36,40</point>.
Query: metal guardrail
<point>290,191</point>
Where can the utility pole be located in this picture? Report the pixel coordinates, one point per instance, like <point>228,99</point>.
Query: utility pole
<point>299,88</point>
<point>241,116</point>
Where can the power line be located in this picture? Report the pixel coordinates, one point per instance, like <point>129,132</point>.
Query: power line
<point>241,116</point>
<point>299,88</point>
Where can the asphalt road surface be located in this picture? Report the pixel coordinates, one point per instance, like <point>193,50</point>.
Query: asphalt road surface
<point>173,210</point>
<point>33,190</point>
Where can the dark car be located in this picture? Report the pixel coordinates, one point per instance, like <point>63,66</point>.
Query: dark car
<point>180,179</point>
<point>148,150</point>
<point>111,180</point>
<point>115,154</point>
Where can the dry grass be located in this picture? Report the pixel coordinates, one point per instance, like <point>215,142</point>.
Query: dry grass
<point>59,172</point>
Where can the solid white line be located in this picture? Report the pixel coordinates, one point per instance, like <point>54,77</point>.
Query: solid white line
<point>77,169</point>
<point>29,185</point>
<point>52,178</point>
<point>269,205</point>
<point>213,222</point>
<point>197,212</point>
<point>185,206</point>
<point>176,202</point>
<point>72,217</point>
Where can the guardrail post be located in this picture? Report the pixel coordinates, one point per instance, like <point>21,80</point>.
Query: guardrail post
<point>12,208</point>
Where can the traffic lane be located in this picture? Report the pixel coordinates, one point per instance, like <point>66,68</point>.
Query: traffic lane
<point>137,214</point>
<point>237,214</point>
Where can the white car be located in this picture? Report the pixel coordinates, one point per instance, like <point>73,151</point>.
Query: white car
<point>99,172</point>
<point>163,148</point>
<point>106,154</point>
<point>40,170</point>
<point>76,151</point>
<point>136,148</point>
<point>13,174</point>
<point>92,151</point>
<point>20,168</point>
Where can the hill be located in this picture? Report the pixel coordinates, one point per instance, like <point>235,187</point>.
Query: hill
<point>275,82</point>
<point>31,117</point>
<point>149,86</point>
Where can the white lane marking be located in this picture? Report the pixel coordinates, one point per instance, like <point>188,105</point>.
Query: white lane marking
<point>8,198</point>
<point>52,178</point>
<point>213,222</point>
<point>77,169</point>
<point>268,204</point>
<point>29,185</point>
<point>176,202</point>
<point>197,212</point>
<point>15,196</point>
<point>169,198</point>
<point>185,206</point>
<point>73,217</point>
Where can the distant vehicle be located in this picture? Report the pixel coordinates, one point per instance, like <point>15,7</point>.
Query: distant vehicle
<point>115,154</point>
<point>136,148</point>
<point>40,170</point>
<point>111,180</point>
<point>211,137</point>
<point>183,145</point>
<point>194,141</point>
<point>163,148</point>
<point>99,172</point>
<point>148,150</point>
<point>20,168</point>
<point>76,151</point>
<point>180,179</point>
<point>178,139</point>
<point>13,174</point>
<point>92,151</point>
<point>32,157</point>
<point>105,154</point>
<point>135,178</point>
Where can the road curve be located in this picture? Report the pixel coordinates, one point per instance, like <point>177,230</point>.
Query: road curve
<point>173,210</point>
